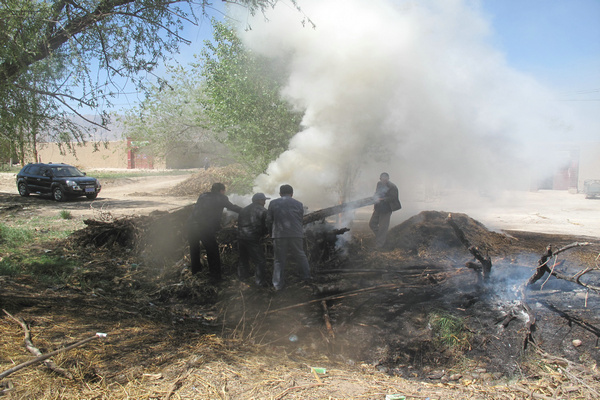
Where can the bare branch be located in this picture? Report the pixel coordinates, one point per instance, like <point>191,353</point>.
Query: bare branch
<point>545,258</point>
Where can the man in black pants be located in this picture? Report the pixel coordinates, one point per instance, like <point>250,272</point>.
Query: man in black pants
<point>251,228</point>
<point>284,220</point>
<point>386,196</point>
<point>203,225</point>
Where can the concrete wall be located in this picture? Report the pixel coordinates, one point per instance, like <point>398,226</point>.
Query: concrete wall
<point>87,156</point>
<point>589,163</point>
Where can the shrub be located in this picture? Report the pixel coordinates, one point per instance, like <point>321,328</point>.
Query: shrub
<point>450,331</point>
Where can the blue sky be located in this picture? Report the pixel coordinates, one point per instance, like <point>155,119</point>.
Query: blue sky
<point>555,41</point>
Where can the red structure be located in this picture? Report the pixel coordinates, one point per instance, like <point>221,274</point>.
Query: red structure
<point>137,157</point>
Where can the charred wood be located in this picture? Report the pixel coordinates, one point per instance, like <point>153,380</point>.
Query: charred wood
<point>573,319</point>
<point>335,288</point>
<point>543,268</point>
<point>539,273</point>
<point>510,316</point>
<point>530,325</point>
<point>321,241</point>
<point>340,208</point>
<point>485,261</point>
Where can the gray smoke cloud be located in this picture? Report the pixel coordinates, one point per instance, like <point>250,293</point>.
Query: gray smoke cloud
<point>413,88</point>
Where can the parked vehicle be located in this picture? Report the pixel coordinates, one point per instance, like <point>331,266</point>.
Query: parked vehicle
<point>591,188</point>
<point>59,180</point>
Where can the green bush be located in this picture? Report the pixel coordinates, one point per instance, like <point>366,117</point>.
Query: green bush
<point>450,331</point>
<point>65,214</point>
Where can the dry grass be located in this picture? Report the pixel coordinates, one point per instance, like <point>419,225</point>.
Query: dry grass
<point>206,366</point>
<point>234,177</point>
<point>182,350</point>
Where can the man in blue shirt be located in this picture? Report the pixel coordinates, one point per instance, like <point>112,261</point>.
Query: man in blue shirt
<point>284,220</point>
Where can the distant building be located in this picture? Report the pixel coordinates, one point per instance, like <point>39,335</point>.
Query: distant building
<point>589,163</point>
<point>576,164</point>
<point>112,154</point>
<point>108,149</point>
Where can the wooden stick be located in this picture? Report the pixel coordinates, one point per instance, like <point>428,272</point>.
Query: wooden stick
<point>341,296</point>
<point>327,320</point>
<point>35,351</point>
<point>46,356</point>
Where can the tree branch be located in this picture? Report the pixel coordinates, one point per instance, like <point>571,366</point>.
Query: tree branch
<point>43,357</point>
<point>545,258</point>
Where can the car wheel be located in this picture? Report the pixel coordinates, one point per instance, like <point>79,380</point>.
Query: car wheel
<point>23,191</point>
<point>59,194</point>
<point>91,196</point>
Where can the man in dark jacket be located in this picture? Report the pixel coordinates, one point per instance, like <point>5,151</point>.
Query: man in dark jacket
<point>251,228</point>
<point>284,220</point>
<point>203,225</point>
<point>386,196</point>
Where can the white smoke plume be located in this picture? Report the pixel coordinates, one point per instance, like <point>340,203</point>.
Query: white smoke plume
<point>412,88</point>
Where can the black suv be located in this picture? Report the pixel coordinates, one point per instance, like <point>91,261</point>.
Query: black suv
<point>60,180</point>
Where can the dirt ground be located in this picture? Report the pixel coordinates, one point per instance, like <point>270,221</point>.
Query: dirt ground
<point>126,196</point>
<point>372,320</point>
<point>550,212</point>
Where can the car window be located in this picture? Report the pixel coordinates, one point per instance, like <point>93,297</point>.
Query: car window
<point>33,170</point>
<point>67,171</point>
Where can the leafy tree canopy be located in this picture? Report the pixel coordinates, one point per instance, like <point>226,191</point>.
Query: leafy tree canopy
<point>171,117</point>
<point>242,99</point>
<point>65,54</point>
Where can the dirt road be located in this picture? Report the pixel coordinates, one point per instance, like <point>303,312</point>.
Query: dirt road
<point>125,196</point>
<point>552,212</point>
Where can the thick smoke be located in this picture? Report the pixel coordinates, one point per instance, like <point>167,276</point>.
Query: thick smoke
<point>412,88</point>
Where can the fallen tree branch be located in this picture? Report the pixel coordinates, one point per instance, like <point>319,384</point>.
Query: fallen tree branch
<point>543,265</point>
<point>578,276</point>
<point>48,355</point>
<point>573,319</point>
<point>35,351</point>
<point>539,273</point>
